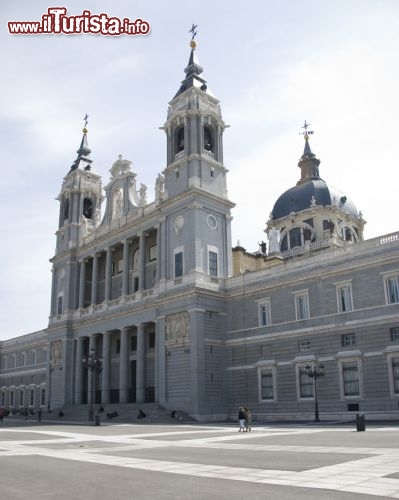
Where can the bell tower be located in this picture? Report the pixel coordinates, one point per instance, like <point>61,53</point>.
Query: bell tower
<point>194,130</point>
<point>195,199</point>
<point>80,199</point>
<point>80,214</point>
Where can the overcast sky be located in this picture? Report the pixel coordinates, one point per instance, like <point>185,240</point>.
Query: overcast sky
<point>271,64</point>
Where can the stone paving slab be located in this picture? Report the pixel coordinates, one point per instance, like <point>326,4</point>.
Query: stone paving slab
<point>270,462</point>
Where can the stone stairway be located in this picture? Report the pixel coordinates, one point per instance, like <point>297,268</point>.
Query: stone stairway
<point>126,413</point>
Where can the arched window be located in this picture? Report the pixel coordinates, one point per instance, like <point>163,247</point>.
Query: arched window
<point>208,139</point>
<point>66,209</point>
<point>88,208</point>
<point>180,139</point>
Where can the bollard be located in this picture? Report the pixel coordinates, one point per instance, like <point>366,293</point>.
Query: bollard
<point>360,422</point>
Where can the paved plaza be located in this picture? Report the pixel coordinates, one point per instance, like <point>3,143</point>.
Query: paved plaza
<point>143,461</point>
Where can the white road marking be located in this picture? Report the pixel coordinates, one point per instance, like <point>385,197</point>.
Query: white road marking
<point>365,475</point>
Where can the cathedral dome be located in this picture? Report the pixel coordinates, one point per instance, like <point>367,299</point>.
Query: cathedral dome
<point>312,215</point>
<point>314,191</point>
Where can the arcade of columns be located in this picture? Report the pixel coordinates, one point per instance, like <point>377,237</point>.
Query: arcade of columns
<point>100,344</point>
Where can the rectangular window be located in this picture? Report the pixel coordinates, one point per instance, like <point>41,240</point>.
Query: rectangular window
<point>153,253</point>
<point>3,398</point>
<point>348,340</point>
<point>350,378</point>
<point>12,398</point>
<point>117,267</point>
<point>302,305</point>
<point>151,340</point>
<point>303,345</point>
<point>118,346</point>
<point>392,289</point>
<point>178,264</point>
<point>32,397</point>
<point>344,297</point>
<point>395,334</point>
<point>395,374</point>
<point>133,343</point>
<point>306,386</point>
<point>21,398</point>
<point>264,313</point>
<point>267,384</point>
<point>213,264</point>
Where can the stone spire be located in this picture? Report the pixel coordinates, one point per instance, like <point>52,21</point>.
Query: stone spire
<point>83,160</point>
<point>308,163</point>
<point>193,69</point>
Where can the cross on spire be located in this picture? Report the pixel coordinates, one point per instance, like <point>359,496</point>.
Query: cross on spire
<point>193,28</point>
<point>307,132</point>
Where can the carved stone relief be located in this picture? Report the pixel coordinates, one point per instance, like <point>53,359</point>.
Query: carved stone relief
<point>56,352</point>
<point>177,328</point>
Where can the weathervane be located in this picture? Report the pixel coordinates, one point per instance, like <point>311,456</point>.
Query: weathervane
<point>86,119</point>
<point>307,132</point>
<point>193,28</point>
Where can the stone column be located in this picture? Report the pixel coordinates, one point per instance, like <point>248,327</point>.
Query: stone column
<point>125,275</point>
<point>160,373</point>
<point>161,237</point>
<point>78,370</point>
<point>142,261</point>
<point>106,373</point>
<point>158,274</point>
<point>82,283</point>
<point>94,280</point>
<point>54,292</point>
<point>108,275</point>
<point>141,352</point>
<point>124,367</point>
<point>90,374</point>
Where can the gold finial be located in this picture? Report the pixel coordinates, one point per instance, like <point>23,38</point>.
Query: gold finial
<point>306,133</point>
<point>193,43</point>
<point>86,120</point>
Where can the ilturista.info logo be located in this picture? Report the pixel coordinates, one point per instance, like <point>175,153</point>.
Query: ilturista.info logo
<point>56,22</point>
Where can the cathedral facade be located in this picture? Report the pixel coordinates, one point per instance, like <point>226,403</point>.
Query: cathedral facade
<point>150,302</point>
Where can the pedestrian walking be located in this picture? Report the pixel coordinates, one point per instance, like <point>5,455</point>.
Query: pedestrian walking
<point>248,419</point>
<point>241,419</point>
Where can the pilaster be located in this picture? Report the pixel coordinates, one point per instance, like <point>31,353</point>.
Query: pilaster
<point>141,353</point>
<point>106,373</point>
<point>124,367</point>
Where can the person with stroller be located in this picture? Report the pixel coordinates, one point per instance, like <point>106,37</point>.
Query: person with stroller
<point>241,419</point>
<point>248,418</point>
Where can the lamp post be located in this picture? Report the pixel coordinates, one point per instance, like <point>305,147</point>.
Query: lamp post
<point>94,365</point>
<point>314,372</point>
